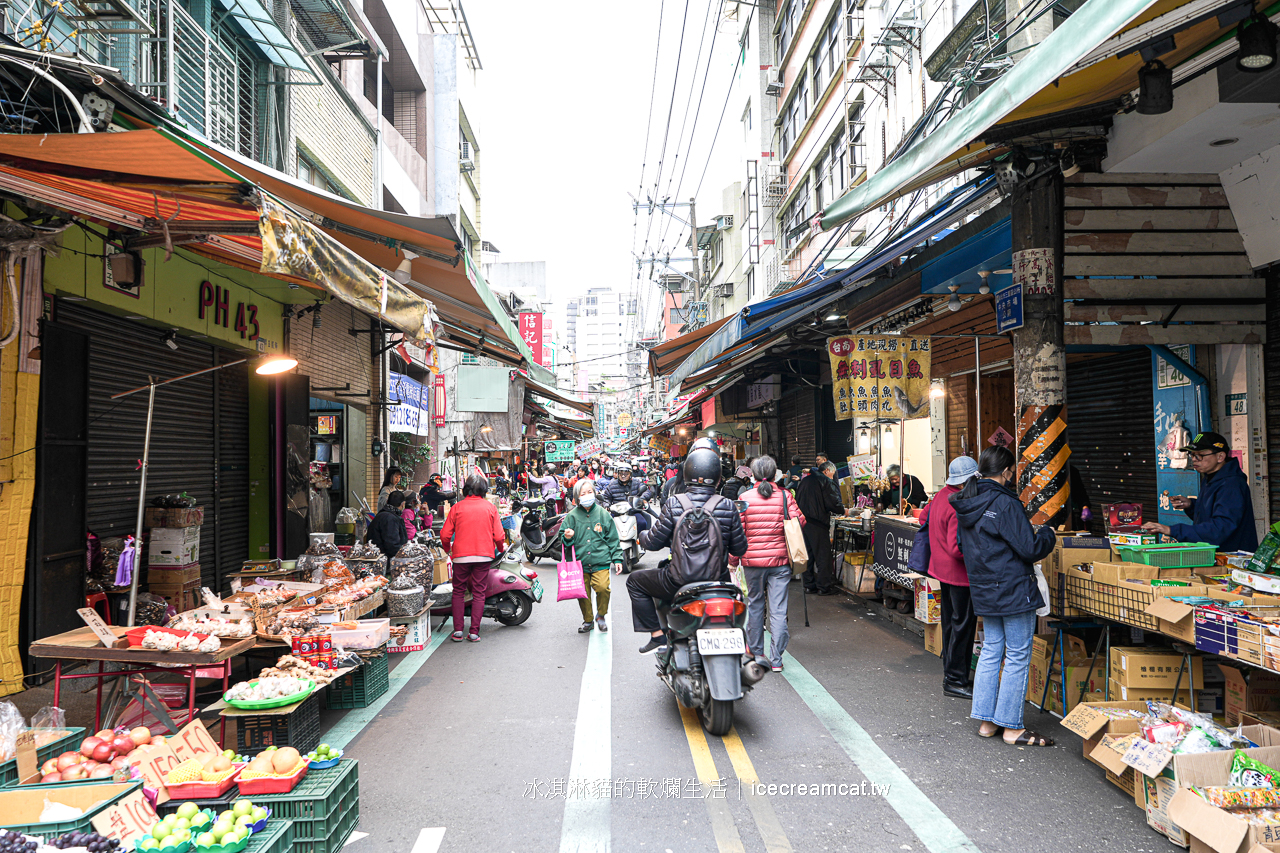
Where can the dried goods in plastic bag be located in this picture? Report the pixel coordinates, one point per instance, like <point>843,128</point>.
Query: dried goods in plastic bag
<point>1247,772</point>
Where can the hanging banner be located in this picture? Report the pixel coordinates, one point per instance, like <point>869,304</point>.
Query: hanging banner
<point>660,444</point>
<point>410,414</point>
<point>880,376</point>
<point>531,331</point>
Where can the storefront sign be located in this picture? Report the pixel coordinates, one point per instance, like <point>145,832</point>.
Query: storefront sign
<point>560,451</point>
<point>885,376</point>
<point>410,414</point>
<point>531,331</point>
<point>1237,404</point>
<point>1009,309</point>
<point>660,444</point>
<point>624,419</point>
<point>862,466</point>
<point>891,542</point>
<point>1033,271</point>
<point>1000,438</point>
<point>218,301</point>
<point>764,391</point>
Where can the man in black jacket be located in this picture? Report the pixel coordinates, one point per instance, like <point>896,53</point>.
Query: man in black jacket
<point>818,498</point>
<point>387,530</point>
<point>701,473</point>
<point>623,487</point>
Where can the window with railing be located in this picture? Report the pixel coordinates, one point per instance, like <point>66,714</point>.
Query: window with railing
<point>822,179</point>
<point>788,15</point>
<point>795,218</point>
<point>826,56</point>
<point>795,114</point>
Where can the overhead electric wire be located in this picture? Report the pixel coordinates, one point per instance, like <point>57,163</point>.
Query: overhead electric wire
<point>671,106</point>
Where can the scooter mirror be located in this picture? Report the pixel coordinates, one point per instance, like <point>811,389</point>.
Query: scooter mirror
<point>740,506</point>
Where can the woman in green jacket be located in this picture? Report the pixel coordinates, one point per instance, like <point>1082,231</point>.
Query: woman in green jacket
<point>590,530</point>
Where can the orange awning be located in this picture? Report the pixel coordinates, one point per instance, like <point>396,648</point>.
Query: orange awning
<point>668,355</point>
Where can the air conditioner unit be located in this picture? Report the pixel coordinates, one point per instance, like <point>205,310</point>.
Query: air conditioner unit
<point>724,223</point>
<point>724,290</point>
<point>466,165</point>
<point>776,187</point>
<point>773,84</point>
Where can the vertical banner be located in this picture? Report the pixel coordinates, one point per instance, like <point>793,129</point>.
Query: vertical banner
<point>531,331</point>
<point>880,376</point>
<point>439,401</point>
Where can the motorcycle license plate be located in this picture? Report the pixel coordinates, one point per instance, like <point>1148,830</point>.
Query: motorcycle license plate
<point>721,641</point>
<point>537,590</point>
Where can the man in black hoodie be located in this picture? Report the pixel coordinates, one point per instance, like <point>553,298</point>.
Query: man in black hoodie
<point>818,498</point>
<point>702,473</point>
<point>387,529</point>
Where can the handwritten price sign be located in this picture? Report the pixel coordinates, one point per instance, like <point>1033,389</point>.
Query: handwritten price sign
<point>193,741</point>
<point>157,761</point>
<point>128,820</point>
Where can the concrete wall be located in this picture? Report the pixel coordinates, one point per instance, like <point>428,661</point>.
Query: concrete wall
<point>514,275</point>
<point>334,133</point>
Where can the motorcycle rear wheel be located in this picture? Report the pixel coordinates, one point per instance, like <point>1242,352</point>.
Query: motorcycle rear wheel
<point>524,608</point>
<point>717,716</point>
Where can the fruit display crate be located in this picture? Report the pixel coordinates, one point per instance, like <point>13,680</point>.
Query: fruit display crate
<point>361,688</point>
<point>346,824</point>
<point>9,769</point>
<point>16,804</point>
<point>318,804</point>
<point>276,838</point>
<point>299,729</point>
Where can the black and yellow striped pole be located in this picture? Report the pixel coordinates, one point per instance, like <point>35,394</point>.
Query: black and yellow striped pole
<point>1039,358</point>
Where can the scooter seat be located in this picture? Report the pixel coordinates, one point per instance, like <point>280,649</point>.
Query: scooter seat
<point>690,590</point>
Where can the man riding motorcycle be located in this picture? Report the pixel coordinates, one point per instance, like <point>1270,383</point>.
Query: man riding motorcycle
<point>701,475</point>
<point>623,487</point>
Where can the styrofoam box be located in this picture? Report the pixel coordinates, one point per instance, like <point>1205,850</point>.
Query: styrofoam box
<point>371,634</point>
<point>164,554</point>
<point>418,635</point>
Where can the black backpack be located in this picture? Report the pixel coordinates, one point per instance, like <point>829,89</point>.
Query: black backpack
<point>697,544</point>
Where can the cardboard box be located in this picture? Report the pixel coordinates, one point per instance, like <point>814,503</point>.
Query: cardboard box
<point>1218,829</point>
<point>175,535</point>
<point>1154,668</point>
<point>162,552</point>
<point>1089,722</point>
<point>440,572</point>
<point>1157,793</point>
<point>1259,691</point>
<point>1117,573</point>
<point>181,597</point>
<point>1174,618</point>
<point>1140,694</point>
<point>22,806</point>
<point>185,517</point>
<point>173,575</point>
<point>933,639</point>
<point>928,602</point>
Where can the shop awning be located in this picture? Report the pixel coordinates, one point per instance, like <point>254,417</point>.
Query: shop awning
<point>684,414</point>
<point>665,356</point>
<point>773,316</point>
<point>263,30</point>
<point>548,393</point>
<point>582,428</point>
<point>1091,58</point>
<point>329,29</point>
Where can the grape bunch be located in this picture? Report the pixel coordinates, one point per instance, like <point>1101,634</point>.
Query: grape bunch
<point>16,842</point>
<point>94,842</point>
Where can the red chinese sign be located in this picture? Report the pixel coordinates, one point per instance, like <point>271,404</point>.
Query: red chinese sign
<point>531,333</point>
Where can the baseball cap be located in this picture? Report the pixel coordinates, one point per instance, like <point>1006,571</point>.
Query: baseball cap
<point>960,470</point>
<point>1207,441</point>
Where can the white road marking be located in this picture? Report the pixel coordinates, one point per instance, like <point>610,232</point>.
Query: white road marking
<point>586,826</point>
<point>429,840</point>
<point>355,836</point>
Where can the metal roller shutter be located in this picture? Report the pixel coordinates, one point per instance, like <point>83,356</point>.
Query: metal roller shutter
<point>1109,411</point>
<point>797,412</point>
<point>1271,371</point>
<point>184,454</point>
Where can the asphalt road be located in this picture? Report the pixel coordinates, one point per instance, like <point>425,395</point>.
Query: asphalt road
<point>479,749</point>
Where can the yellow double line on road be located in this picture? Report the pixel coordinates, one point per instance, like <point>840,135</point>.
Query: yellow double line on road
<point>722,826</point>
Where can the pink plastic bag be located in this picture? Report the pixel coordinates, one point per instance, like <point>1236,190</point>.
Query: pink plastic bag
<point>569,572</point>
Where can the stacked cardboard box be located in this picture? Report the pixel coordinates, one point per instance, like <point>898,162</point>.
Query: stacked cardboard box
<point>928,602</point>
<point>1078,674</point>
<point>1072,549</point>
<point>1259,691</point>
<point>173,546</point>
<point>1139,674</point>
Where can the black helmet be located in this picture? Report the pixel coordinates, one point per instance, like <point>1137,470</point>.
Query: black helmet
<point>702,466</point>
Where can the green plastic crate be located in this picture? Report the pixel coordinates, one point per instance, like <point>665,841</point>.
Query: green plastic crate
<point>9,769</point>
<point>361,688</point>
<point>318,801</point>
<point>83,823</point>
<point>1184,555</point>
<point>276,838</point>
<point>346,825</point>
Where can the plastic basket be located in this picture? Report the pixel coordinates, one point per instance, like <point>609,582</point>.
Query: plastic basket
<point>272,784</point>
<point>204,790</point>
<point>1185,555</point>
<point>361,688</point>
<point>343,827</point>
<point>83,823</point>
<point>278,702</point>
<point>318,803</point>
<point>9,769</point>
<point>299,729</point>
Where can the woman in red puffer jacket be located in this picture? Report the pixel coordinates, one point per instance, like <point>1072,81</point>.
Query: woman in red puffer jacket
<point>766,562</point>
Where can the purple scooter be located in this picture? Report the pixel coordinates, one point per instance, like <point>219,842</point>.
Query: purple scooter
<point>511,590</point>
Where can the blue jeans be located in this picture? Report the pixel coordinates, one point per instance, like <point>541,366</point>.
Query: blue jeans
<point>642,522</point>
<point>999,699</point>
<point>769,584</point>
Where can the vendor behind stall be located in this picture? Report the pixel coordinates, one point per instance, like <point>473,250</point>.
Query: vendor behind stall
<point>891,498</point>
<point>1223,513</point>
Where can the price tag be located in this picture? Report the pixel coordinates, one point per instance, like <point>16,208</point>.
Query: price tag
<point>193,741</point>
<point>100,629</point>
<point>157,761</point>
<point>128,820</point>
<point>1147,758</point>
<point>28,766</point>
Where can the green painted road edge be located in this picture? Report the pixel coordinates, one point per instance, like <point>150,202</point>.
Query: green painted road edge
<point>355,720</point>
<point>917,811</point>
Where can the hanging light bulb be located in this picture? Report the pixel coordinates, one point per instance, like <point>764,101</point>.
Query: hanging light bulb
<point>887,441</point>
<point>985,287</point>
<point>953,304</point>
<point>1257,44</point>
<point>864,440</point>
<point>404,270</point>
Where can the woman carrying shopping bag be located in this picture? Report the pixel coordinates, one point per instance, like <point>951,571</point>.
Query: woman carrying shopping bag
<point>590,530</point>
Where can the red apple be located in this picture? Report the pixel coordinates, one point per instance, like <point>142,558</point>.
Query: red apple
<point>88,745</point>
<point>119,762</point>
<point>75,772</point>
<point>102,771</point>
<point>105,734</point>
<point>50,766</point>
<point>123,745</point>
<point>90,764</point>
<point>103,752</point>
<point>68,759</point>
<point>50,777</point>
<point>140,735</point>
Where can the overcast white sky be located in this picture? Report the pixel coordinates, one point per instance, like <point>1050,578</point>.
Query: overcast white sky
<point>565,95</point>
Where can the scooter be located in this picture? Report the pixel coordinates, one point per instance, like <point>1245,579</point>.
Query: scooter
<point>511,590</point>
<point>539,536</point>
<point>624,518</point>
<point>706,663</point>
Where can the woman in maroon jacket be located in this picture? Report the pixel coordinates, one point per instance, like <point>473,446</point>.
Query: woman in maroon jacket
<point>767,562</point>
<point>946,565</point>
<point>472,535</point>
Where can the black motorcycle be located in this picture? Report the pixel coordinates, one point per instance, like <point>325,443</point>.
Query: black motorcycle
<point>539,535</point>
<point>706,663</point>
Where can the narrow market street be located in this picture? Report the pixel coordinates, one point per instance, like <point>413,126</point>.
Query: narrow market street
<point>482,740</point>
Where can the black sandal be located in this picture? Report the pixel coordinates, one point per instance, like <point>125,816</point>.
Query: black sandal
<point>586,627</point>
<point>1030,738</point>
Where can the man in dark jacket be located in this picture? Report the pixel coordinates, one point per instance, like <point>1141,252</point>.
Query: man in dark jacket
<point>623,487</point>
<point>433,493</point>
<point>737,484</point>
<point>818,498</point>
<point>1223,513</point>
<point>701,473</point>
<point>387,531</point>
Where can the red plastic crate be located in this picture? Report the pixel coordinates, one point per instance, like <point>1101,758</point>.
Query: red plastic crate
<point>136,635</point>
<point>204,790</point>
<point>272,784</point>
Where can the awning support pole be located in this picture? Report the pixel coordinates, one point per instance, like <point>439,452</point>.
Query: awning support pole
<point>977,389</point>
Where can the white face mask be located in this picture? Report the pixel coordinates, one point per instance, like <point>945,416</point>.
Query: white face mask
<point>587,500</point>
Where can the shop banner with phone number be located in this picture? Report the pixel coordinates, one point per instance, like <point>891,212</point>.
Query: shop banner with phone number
<point>880,376</point>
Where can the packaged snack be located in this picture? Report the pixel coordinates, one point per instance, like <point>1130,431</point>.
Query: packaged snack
<point>1226,797</point>
<point>1248,772</point>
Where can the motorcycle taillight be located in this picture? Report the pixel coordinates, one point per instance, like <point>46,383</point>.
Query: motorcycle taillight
<point>723,607</point>
<point>696,607</point>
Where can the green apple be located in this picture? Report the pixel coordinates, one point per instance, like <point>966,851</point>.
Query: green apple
<point>187,810</point>
<point>324,747</point>
<point>229,753</point>
<point>229,816</point>
<point>242,807</point>
<point>259,813</point>
<point>243,819</point>
<point>220,829</point>
<point>148,844</point>
<point>243,832</point>
<point>206,839</point>
<point>169,842</point>
<point>161,831</point>
<point>182,823</point>
<point>199,819</point>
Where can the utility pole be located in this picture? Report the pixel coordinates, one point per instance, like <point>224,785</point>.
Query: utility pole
<point>693,244</point>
